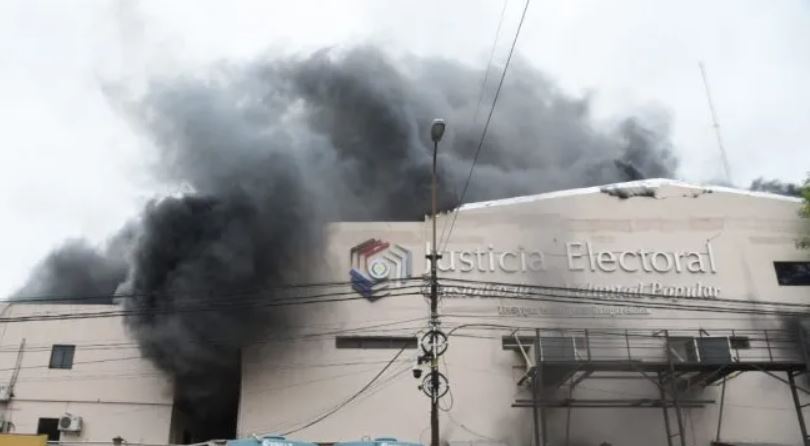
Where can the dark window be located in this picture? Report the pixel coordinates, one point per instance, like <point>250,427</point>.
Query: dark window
<point>510,343</point>
<point>557,348</point>
<point>714,350</point>
<point>682,349</point>
<point>387,342</point>
<point>49,427</point>
<point>62,356</point>
<point>740,342</point>
<point>792,273</point>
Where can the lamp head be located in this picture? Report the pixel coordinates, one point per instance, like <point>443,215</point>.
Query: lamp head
<point>437,130</point>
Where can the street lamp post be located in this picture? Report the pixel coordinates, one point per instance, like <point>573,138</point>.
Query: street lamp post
<point>436,132</point>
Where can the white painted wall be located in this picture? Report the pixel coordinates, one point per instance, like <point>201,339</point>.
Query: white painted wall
<point>286,384</point>
<point>114,389</point>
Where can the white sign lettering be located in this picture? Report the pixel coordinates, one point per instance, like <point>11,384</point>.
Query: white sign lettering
<point>489,261</point>
<point>582,257</point>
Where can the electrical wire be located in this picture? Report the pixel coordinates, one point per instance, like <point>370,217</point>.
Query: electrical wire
<point>214,306</point>
<point>103,376</point>
<point>621,293</point>
<point>370,391</point>
<point>321,334</point>
<point>499,289</point>
<point>579,296</point>
<point>349,399</point>
<point>579,300</point>
<point>68,298</point>
<point>487,122</point>
<point>461,425</point>
<point>636,317</point>
<point>285,386</point>
<point>482,89</point>
<point>381,327</point>
<point>502,290</point>
<point>449,389</point>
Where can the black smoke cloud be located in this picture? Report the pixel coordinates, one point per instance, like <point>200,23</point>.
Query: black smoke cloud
<point>776,187</point>
<point>274,149</point>
<point>79,272</point>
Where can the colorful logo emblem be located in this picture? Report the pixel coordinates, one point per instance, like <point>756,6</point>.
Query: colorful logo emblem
<point>376,264</point>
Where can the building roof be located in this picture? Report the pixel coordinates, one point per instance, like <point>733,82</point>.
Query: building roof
<point>649,187</point>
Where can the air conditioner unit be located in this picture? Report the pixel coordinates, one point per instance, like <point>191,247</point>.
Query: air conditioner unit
<point>70,423</point>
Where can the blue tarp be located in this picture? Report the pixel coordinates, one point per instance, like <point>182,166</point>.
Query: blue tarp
<point>268,441</point>
<point>378,442</point>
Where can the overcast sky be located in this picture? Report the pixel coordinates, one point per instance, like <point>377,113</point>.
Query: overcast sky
<point>70,166</point>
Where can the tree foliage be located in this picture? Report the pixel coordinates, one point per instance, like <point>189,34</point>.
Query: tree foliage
<point>806,196</point>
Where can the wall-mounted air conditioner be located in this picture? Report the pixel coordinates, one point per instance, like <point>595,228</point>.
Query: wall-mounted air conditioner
<point>70,423</point>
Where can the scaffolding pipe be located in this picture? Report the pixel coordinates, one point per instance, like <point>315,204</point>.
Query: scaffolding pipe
<point>627,341</point>
<point>664,409</point>
<point>768,345</point>
<point>535,379</point>
<point>722,403</point>
<point>798,404</point>
<point>674,391</point>
<point>568,414</point>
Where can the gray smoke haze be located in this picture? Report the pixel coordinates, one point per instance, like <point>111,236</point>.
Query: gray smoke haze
<point>80,272</point>
<point>275,148</point>
<point>776,187</point>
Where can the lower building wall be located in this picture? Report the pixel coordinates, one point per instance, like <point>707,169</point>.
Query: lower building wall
<point>284,393</point>
<point>101,422</point>
<point>107,381</point>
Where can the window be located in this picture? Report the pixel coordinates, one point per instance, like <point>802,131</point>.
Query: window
<point>792,273</point>
<point>510,343</point>
<point>683,349</point>
<point>49,427</point>
<point>375,342</point>
<point>714,350</point>
<point>62,356</point>
<point>740,342</point>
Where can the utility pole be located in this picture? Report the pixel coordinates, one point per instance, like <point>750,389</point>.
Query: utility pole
<point>437,340</point>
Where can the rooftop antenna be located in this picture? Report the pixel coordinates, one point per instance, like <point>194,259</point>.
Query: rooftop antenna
<point>723,157</point>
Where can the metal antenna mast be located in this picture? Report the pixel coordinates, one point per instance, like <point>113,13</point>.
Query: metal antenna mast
<point>724,158</point>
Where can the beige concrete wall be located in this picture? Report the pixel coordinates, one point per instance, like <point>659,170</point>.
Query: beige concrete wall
<point>286,384</point>
<point>114,389</point>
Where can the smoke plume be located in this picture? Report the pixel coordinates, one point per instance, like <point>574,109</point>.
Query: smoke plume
<point>776,187</point>
<point>80,272</point>
<point>274,149</point>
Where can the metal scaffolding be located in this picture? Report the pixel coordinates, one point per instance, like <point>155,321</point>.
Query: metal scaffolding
<point>677,362</point>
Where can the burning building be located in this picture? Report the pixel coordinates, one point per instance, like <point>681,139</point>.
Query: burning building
<point>634,313</point>
<point>644,312</point>
<point>222,287</point>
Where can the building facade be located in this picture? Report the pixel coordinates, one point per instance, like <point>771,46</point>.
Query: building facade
<point>88,370</point>
<point>613,314</point>
<point>644,313</point>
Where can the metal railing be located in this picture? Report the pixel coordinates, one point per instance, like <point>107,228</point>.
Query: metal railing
<point>685,346</point>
